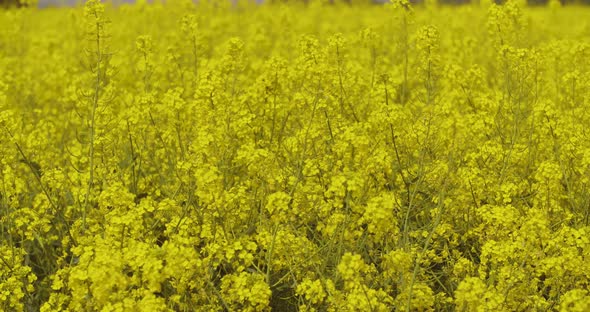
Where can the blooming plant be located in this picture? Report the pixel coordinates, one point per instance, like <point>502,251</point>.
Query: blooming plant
<point>226,156</point>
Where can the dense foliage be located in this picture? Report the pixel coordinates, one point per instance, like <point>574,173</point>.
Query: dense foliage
<point>173,157</point>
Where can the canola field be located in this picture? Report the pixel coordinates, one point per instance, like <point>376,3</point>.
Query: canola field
<point>295,157</point>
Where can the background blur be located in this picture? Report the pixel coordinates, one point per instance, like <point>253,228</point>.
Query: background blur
<point>55,3</point>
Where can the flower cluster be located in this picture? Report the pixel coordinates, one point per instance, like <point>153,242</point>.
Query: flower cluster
<point>224,156</point>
